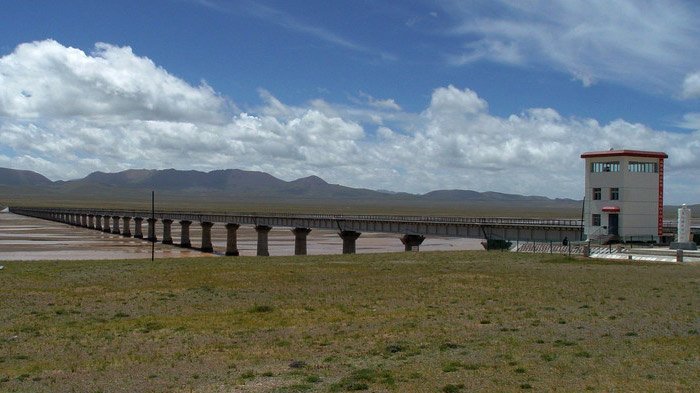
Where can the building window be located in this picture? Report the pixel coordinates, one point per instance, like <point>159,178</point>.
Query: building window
<point>610,166</point>
<point>644,167</point>
<point>596,220</point>
<point>614,194</point>
<point>596,194</point>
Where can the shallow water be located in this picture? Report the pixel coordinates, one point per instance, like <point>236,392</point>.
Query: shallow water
<point>26,238</point>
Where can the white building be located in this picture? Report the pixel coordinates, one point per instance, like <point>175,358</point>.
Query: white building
<point>624,194</point>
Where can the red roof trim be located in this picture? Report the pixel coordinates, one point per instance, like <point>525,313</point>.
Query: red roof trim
<point>611,209</point>
<point>629,153</point>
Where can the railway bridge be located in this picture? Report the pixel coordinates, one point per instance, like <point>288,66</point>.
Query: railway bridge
<point>412,229</point>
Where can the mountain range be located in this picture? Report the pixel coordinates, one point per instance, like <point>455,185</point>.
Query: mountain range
<point>240,183</point>
<point>251,191</point>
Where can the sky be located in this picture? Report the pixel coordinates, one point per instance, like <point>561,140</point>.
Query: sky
<point>415,95</point>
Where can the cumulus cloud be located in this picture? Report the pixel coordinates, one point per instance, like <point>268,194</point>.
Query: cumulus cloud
<point>139,121</point>
<point>45,79</point>
<point>645,45</point>
<point>691,85</point>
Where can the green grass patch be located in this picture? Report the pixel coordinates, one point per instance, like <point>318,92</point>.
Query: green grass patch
<point>442,321</point>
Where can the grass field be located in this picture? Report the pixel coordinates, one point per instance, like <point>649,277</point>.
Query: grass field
<point>406,322</point>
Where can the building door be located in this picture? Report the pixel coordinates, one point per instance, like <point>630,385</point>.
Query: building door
<point>613,221</point>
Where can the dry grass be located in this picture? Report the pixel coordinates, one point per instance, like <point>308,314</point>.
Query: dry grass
<point>409,322</point>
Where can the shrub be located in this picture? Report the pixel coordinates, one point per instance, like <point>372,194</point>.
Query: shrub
<point>261,309</point>
<point>450,388</point>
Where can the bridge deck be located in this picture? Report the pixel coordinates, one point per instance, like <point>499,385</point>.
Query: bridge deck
<point>525,229</point>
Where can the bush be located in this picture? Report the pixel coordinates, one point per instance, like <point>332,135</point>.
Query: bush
<point>260,309</point>
<point>496,244</point>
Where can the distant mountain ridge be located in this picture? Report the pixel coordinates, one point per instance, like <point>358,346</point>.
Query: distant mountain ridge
<point>241,183</point>
<point>15,177</point>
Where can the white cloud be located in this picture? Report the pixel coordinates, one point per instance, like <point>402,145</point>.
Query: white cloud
<point>44,79</point>
<point>453,143</point>
<point>495,50</point>
<point>691,86</point>
<point>691,121</point>
<point>643,44</point>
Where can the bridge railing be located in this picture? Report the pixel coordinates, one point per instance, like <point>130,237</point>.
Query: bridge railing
<point>224,216</point>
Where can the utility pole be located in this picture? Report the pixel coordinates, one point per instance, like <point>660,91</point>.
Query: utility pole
<point>153,216</point>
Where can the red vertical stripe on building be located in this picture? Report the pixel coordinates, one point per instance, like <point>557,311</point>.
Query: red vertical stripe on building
<point>661,196</point>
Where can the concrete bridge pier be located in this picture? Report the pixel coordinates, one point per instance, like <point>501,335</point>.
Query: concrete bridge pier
<point>167,236</point>
<point>105,225</point>
<point>262,231</point>
<point>206,236</point>
<point>231,239</point>
<point>152,230</point>
<point>185,234</point>
<point>349,238</point>
<point>115,225</point>
<point>138,233</point>
<point>126,232</point>
<point>98,222</point>
<point>91,221</point>
<point>83,220</point>
<point>412,242</point>
<point>300,240</point>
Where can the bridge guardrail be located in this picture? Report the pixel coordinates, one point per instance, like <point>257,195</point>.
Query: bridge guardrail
<point>573,223</point>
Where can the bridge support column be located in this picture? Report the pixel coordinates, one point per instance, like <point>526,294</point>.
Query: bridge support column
<point>98,222</point>
<point>126,231</point>
<point>231,239</point>
<point>91,221</point>
<point>138,233</point>
<point>115,225</point>
<point>262,231</point>
<point>206,236</point>
<point>152,230</point>
<point>167,233</point>
<point>105,225</point>
<point>185,234</point>
<point>83,220</point>
<point>349,238</point>
<point>300,240</point>
<point>412,242</point>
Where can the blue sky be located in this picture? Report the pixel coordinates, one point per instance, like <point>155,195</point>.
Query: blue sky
<point>409,96</point>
